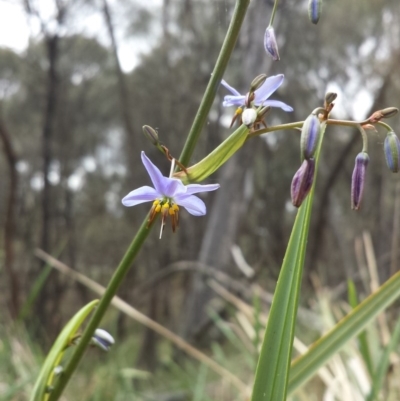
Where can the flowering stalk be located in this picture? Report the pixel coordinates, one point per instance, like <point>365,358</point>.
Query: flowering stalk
<point>211,90</point>
<point>144,230</point>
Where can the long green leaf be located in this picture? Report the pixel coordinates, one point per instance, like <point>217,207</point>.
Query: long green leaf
<point>274,363</point>
<point>362,337</point>
<point>384,362</point>
<point>54,357</point>
<point>304,367</point>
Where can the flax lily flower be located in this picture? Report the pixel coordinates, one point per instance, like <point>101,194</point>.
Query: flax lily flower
<point>167,195</point>
<point>261,95</point>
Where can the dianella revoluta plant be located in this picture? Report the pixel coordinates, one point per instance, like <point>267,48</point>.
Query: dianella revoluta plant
<point>173,193</point>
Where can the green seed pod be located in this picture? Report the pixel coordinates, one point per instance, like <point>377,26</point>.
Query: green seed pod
<point>151,134</point>
<point>309,136</point>
<point>314,10</point>
<point>257,82</point>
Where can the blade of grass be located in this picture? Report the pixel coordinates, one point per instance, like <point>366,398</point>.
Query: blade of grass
<point>384,363</point>
<point>304,367</point>
<point>274,363</point>
<point>362,338</point>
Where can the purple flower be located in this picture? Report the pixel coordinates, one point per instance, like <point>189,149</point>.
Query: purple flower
<point>270,85</point>
<point>167,195</point>
<point>358,180</point>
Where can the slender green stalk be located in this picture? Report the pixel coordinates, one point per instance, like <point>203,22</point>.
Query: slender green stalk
<point>211,90</point>
<point>271,21</point>
<point>94,322</point>
<point>387,126</point>
<point>137,242</point>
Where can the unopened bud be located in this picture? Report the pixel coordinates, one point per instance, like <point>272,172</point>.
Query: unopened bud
<point>309,136</point>
<point>314,10</point>
<point>392,151</point>
<point>270,44</point>
<point>389,112</point>
<point>257,82</point>
<point>249,116</point>
<point>330,97</point>
<point>151,134</point>
<point>302,182</point>
<point>358,180</point>
<point>102,339</point>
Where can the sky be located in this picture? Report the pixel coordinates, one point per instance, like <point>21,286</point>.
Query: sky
<point>16,28</point>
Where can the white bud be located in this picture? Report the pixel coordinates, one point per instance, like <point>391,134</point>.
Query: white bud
<point>102,339</point>
<point>249,116</point>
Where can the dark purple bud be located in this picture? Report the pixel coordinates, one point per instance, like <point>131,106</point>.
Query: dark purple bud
<point>270,44</point>
<point>314,10</point>
<point>302,182</point>
<point>309,136</point>
<point>392,151</point>
<point>358,180</point>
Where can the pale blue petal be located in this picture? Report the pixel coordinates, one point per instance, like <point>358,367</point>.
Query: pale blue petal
<point>270,85</point>
<point>156,177</point>
<point>165,186</point>
<point>277,103</point>
<point>195,188</point>
<point>230,88</point>
<point>192,204</point>
<point>233,101</point>
<point>173,187</point>
<point>140,195</point>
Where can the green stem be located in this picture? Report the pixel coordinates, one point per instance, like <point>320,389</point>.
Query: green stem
<point>271,21</point>
<point>211,90</point>
<point>388,127</point>
<point>144,230</point>
<point>105,301</point>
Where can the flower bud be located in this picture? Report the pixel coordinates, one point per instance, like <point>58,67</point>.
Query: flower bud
<point>330,97</point>
<point>302,182</point>
<point>249,116</point>
<point>102,339</point>
<point>151,134</point>
<point>309,136</point>
<point>389,112</point>
<point>392,151</point>
<point>358,179</point>
<point>314,10</point>
<point>257,82</point>
<point>270,44</point>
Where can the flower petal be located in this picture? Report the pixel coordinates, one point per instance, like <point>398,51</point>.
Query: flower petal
<point>140,195</point>
<point>156,177</point>
<point>230,88</point>
<point>195,188</point>
<point>277,103</point>
<point>192,204</point>
<point>233,101</point>
<point>270,85</point>
<point>173,187</point>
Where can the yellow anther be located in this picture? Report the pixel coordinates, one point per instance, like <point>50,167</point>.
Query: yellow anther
<point>175,207</point>
<point>158,208</point>
<point>239,111</point>
<point>165,205</point>
<point>171,211</point>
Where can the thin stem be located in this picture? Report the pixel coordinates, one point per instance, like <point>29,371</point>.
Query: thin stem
<point>211,90</point>
<point>271,21</point>
<point>105,301</point>
<point>144,230</point>
<point>364,138</point>
<point>388,127</point>
<point>280,127</point>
